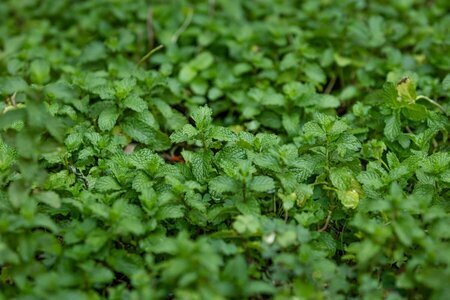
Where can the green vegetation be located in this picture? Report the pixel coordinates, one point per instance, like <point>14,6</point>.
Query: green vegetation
<point>226,149</point>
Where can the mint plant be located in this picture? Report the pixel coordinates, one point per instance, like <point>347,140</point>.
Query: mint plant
<point>224,149</point>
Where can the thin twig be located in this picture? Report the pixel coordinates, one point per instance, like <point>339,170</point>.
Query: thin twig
<point>13,99</point>
<point>150,53</point>
<point>327,221</point>
<point>435,143</point>
<point>330,85</point>
<point>150,32</point>
<point>274,205</point>
<point>129,148</point>
<point>183,27</point>
<point>211,7</point>
<point>408,129</point>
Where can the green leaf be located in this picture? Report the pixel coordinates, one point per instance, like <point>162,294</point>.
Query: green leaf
<point>446,83</point>
<point>17,193</point>
<point>223,184</point>
<point>390,93</point>
<point>314,130</point>
<point>145,134</point>
<point>349,199</point>
<point>392,129</point>
<point>341,178</point>
<point>314,73</point>
<point>10,117</point>
<point>170,212</point>
<point>202,61</point>
<point>50,198</point>
<point>7,156</point>
<point>406,90</point>
<point>187,133</point>
<point>94,51</point>
<point>223,134</point>
<point>249,207</point>
<point>187,74</point>
<point>200,163</point>
<point>56,128</point>
<point>415,112</point>
<point>108,118</point>
<point>202,117</point>
<point>61,91</point>
<point>106,183</point>
<point>135,103</point>
<point>326,101</point>
<point>195,201</point>
<point>246,224</point>
<point>39,71</point>
<point>291,123</point>
<point>261,184</point>
<point>11,85</point>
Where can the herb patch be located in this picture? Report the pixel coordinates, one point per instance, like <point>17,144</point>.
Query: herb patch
<point>224,149</point>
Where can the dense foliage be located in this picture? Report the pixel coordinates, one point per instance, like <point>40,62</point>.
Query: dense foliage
<point>225,149</point>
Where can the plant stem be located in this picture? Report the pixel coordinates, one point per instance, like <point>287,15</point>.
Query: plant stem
<point>150,32</point>
<point>327,222</point>
<point>150,53</point>
<point>432,102</point>
<point>183,27</point>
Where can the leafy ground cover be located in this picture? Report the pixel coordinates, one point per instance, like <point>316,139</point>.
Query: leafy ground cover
<point>224,149</point>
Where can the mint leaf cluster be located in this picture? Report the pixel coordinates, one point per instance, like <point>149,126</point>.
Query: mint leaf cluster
<point>224,149</point>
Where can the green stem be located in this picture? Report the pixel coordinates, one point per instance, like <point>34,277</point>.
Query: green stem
<point>205,146</point>
<point>327,154</point>
<point>150,53</point>
<point>183,27</point>
<point>432,102</point>
<point>326,187</point>
<point>274,205</point>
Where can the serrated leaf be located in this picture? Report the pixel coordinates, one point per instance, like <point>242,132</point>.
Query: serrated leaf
<point>7,156</point>
<point>341,178</point>
<point>135,103</point>
<point>106,183</point>
<point>202,61</point>
<point>262,184</point>
<point>249,207</point>
<point>446,83</point>
<point>10,85</point>
<point>291,123</point>
<point>314,130</point>
<point>39,71</point>
<point>61,90</point>
<point>108,118</point>
<point>186,133</point>
<point>17,193</point>
<point>246,224</point>
<point>222,134</point>
<point>392,128</point>
<point>223,184</point>
<point>314,73</point>
<point>202,117</point>
<point>170,212</point>
<point>124,87</point>
<point>349,199</point>
<point>50,198</point>
<point>200,163</point>
<point>10,117</point>
<point>194,200</point>
<point>143,133</point>
<point>187,74</point>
